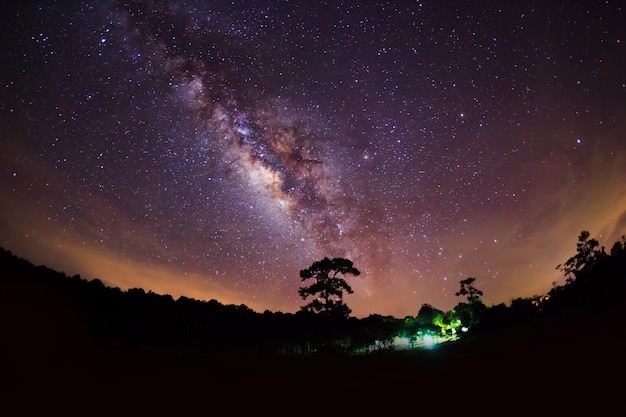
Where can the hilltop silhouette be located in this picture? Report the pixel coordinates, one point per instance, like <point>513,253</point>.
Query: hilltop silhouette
<point>64,337</point>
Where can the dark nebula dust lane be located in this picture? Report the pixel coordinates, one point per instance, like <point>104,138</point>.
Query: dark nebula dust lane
<point>212,149</point>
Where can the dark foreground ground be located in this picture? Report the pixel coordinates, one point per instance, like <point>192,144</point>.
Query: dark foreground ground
<point>52,363</point>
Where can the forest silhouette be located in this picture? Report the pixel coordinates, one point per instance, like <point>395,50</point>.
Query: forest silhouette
<point>93,337</point>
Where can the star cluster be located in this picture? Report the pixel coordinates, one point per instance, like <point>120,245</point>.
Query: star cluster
<point>213,149</point>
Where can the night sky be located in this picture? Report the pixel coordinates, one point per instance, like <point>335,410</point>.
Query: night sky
<point>213,149</point>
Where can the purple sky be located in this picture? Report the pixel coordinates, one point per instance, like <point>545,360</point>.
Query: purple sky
<point>213,150</point>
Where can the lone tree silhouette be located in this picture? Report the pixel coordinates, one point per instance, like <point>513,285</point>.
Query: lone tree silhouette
<point>472,312</point>
<point>328,286</point>
<point>467,288</point>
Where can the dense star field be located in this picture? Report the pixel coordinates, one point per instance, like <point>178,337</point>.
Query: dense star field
<point>214,149</point>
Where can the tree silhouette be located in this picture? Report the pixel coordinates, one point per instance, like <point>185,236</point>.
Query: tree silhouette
<point>470,314</point>
<point>328,286</point>
<point>586,254</point>
<point>467,288</point>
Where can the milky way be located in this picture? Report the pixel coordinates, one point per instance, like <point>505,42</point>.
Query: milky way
<point>214,149</point>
